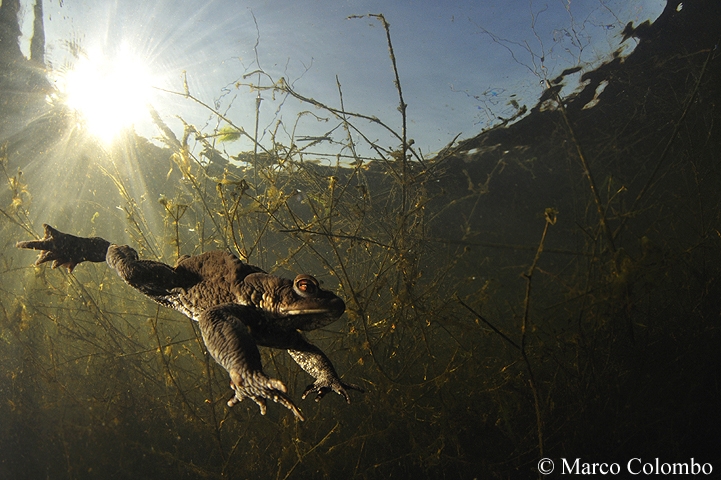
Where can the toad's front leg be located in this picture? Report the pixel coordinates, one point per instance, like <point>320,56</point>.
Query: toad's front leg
<point>231,345</point>
<point>314,362</point>
<point>310,358</point>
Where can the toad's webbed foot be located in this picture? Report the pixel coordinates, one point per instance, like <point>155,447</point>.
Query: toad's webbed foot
<point>66,250</point>
<point>259,387</point>
<point>324,385</point>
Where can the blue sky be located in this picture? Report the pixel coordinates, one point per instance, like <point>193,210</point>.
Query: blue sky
<point>455,59</point>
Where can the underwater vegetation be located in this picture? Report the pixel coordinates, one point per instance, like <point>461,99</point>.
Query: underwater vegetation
<point>548,288</point>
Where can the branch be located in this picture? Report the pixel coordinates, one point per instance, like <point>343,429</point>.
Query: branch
<point>591,182</point>
<point>550,215</point>
<point>480,317</point>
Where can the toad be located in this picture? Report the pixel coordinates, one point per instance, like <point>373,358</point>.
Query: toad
<point>237,306</point>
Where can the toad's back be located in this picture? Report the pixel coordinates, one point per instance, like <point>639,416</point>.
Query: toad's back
<point>218,276</point>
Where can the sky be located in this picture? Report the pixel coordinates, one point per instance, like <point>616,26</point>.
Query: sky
<point>460,63</point>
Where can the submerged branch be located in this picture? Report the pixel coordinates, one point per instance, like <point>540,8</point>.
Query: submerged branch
<point>550,216</point>
<point>240,130</point>
<point>671,139</point>
<point>587,171</point>
<point>333,235</point>
<point>490,325</point>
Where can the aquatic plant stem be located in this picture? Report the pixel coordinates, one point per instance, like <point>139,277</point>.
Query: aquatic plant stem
<point>672,137</point>
<point>490,325</point>
<point>166,365</point>
<point>215,112</point>
<point>258,100</point>
<point>550,216</point>
<point>134,216</point>
<point>402,107</point>
<point>346,126</point>
<point>587,171</point>
<point>301,455</point>
<point>19,214</point>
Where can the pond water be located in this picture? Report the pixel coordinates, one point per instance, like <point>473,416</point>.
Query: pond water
<point>519,207</point>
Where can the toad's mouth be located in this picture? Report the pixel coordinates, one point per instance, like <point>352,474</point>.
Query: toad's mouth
<point>331,309</point>
<point>307,311</point>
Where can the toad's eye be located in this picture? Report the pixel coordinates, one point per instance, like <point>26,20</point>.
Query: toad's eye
<point>305,285</point>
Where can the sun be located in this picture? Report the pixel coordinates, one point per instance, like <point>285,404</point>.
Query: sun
<point>109,94</point>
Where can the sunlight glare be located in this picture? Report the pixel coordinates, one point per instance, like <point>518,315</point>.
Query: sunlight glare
<point>109,94</point>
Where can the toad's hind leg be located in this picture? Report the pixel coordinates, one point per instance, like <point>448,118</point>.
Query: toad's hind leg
<point>155,279</point>
<point>231,345</point>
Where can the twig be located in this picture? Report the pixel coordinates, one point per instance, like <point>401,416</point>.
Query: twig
<point>333,235</point>
<point>402,107</point>
<point>671,139</point>
<point>550,216</point>
<point>302,456</point>
<point>490,325</point>
<point>189,96</point>
<point>508,246</point>
<point>587,171</point>
<point>166,364</point>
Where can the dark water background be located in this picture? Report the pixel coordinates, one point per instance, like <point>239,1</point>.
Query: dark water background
<point>546,289</point>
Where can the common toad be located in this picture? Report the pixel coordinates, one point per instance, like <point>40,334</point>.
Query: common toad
<point>237,306</point>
